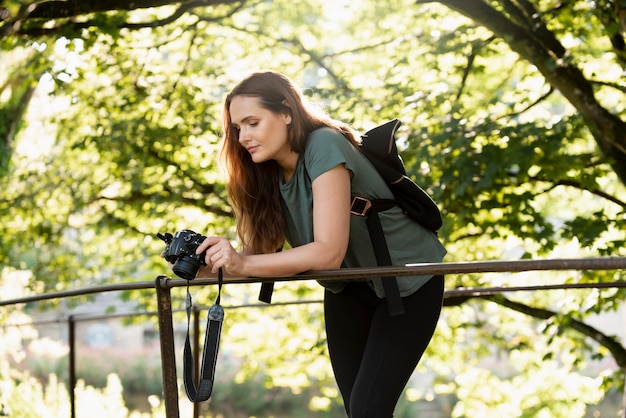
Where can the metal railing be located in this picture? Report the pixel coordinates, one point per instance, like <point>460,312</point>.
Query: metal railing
<point>163,284</point>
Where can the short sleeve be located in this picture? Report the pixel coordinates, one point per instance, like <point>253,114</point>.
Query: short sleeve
<point>327,149</point>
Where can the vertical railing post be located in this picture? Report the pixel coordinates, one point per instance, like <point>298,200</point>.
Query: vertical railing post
<point>168,357</point>
<point>624,398</point>
<point>71,323</point>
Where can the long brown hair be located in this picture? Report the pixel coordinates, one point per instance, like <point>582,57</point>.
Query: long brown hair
<point>254,188</point>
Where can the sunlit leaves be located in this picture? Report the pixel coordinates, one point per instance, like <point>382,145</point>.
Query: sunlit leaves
<point>129,148</point>
<point>521,397</point>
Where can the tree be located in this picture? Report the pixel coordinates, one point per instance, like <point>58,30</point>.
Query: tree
<point>511,129</point>
<point>520,23</point>
<point>536,36</point>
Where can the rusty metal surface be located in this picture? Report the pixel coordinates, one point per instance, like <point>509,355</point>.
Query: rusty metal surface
<point>502,266</point>
<point>168,357</point>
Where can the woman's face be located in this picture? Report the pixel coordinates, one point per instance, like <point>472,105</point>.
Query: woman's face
<point>261,132</point>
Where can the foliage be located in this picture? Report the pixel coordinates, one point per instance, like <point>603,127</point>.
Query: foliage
<point>120,378</point>
<point>512,118</point>
<point>29,398</point>
<point>538,394</point>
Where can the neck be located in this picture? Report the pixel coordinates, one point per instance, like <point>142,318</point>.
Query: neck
<point>288,165</point>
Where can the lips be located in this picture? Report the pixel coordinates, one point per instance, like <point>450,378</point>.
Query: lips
<point>252,149</point>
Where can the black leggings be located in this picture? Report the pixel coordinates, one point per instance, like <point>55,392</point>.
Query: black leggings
<point>373,355</point>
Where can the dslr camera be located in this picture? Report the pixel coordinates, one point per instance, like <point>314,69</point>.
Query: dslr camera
<point>180,250</point>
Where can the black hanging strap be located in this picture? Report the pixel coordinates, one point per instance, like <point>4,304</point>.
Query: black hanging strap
<point>202,392</point>
<point>370,208</point>
<point>267,288</point>
<point>265,294</point>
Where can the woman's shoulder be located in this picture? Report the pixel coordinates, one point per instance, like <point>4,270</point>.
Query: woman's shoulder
<point>328,139</point>
<point>327,148</point>
<point>325,133</point>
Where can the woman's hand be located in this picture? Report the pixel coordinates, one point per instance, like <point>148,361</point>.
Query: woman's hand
<point>331,231</point>
<point>169,263</point>
<point>221,254</point>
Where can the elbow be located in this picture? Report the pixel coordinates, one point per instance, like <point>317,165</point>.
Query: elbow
<point>333,265</point>
<point>335,260</point>
<point>327,256</point>
<point>340,260</point>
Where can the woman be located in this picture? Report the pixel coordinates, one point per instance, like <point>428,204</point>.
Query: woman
<point>292,171</point>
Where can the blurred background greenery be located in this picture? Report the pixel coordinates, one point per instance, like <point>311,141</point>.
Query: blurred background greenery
<point>513,119</point>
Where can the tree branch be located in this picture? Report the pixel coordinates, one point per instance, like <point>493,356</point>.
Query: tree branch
<point>466,72</point>
<point>578,185</point>
<point>610,343</point>
<point>614,22</point>
<point>59,9</point>
<point>71,9</point>
<point>539,47</point>
<point>531,105</point>
<point>617,86</point>
<point>137,197</point>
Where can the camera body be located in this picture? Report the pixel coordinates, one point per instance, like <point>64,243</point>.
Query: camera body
<point>180,250</point>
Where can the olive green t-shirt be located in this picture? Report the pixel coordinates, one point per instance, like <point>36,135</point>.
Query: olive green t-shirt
<point>408,242</point>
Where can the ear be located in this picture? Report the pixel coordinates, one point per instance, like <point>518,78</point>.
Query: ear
<point>287,114</point>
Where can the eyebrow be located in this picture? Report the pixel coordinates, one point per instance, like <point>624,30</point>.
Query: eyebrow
<point>244,120</point>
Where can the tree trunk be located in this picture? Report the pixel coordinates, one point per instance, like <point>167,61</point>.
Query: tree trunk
<point>526,34</point>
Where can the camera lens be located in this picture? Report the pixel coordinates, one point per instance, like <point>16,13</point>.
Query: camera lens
<point>186,268</point>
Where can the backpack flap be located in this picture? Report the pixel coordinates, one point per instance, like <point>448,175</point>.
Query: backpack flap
<point>379,144</point>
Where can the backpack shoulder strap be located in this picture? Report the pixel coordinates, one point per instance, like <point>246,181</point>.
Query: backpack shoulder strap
<point>379,147</point>
<point>370,208</point>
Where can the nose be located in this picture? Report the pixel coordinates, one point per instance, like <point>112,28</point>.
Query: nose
<point>243,136</point>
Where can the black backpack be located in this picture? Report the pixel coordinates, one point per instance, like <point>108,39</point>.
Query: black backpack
<point>379,147</point>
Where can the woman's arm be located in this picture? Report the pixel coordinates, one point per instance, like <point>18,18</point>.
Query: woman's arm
<point>331,230</point>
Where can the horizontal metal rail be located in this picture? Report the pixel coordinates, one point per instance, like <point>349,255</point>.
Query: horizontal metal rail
<point>483,291</point>
<point>163,284</point>
<point>499,266</point>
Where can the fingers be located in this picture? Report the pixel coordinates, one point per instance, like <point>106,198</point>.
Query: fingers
<point>219,253</point>
<point>217,261</point>
<point>208,242</point>
<point>169,263</point>
<point>220,257</point>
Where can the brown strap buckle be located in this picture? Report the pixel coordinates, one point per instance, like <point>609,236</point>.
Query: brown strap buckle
<point>360,206</point>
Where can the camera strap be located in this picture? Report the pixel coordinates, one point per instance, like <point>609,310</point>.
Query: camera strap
<point>202,392</point>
